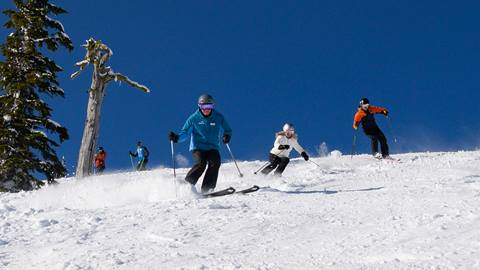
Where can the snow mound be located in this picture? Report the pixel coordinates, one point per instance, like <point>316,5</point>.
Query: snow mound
<point>109,190</point>
<point>336,154</point>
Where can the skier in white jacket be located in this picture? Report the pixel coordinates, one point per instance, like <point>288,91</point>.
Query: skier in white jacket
<point>285,141</point>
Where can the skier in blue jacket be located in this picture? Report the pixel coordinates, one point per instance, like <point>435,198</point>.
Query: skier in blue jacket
<point>204,128</point>
<point>142,154</point>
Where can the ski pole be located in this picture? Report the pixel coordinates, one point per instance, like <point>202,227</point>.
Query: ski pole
<point>174,172</point>
<point>391,129</point>
<point>265,165</point>
<point>261,168</point>
<point>131,159</point>
<point>314,163</point>
<point>173,159</point>
<point>353,144</point>
<point>231,154</point>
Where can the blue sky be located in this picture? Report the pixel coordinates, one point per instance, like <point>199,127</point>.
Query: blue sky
<point>268,62</point>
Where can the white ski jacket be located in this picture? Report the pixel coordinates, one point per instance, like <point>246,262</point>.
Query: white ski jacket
<point>281,139</point>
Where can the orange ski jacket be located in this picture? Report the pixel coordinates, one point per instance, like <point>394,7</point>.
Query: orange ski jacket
<point>361,114</point>
<point>100,159</point>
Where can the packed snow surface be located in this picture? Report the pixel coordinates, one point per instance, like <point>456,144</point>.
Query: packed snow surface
<point>421,212</point>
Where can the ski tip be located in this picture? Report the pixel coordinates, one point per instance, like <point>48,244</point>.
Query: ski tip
<point>249,190</point>
<point>219,193</point>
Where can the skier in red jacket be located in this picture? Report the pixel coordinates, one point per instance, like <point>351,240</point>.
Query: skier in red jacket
<point>365,116</point>
<point>100,158</point>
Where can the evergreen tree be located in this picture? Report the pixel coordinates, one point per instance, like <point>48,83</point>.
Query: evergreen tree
<point>27,76</point>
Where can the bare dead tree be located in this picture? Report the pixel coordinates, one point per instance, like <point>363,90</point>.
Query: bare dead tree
<point>97,55</point>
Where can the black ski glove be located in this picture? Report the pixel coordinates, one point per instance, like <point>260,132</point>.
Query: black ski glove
<point>385,112</point>
<point>226,138</point>
<point>130,152</point>
<point>305,156</point>
<point>173,137</point>
<point>283,147</point>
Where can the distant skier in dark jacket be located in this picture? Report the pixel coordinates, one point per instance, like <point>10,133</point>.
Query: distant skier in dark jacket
<point>285,141</point>
<point>365,116</point>
<point>142,154</point>
<point>204,129</point>
<point>100,158</point>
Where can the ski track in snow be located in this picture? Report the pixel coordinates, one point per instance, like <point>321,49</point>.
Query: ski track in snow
<point>422,212</point>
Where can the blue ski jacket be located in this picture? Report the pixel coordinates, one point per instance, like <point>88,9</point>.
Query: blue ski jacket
<point>140,153</point>
<point>204,131</point>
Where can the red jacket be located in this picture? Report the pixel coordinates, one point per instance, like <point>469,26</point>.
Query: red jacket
<point>100,159</point>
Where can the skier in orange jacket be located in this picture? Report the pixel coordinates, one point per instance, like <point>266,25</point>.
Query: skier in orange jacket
<point>100,160</point>
<point>365,116</point>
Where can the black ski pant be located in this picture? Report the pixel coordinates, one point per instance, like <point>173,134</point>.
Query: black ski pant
<point>100,169</point>
<point>376,136</point>
<point>204,158</point>
<point>141,164</point>
<point>280,163</point>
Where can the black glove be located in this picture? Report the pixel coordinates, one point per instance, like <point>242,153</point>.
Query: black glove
<point>226,138</point>
<point>283,147</point>
<point>385,112</point>
<point>305,156</point>
<point>173,137</point>
<point>130,152</point>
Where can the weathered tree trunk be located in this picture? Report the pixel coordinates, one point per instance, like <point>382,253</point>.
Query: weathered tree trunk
<point>97,55</point>
<point>92,125</point>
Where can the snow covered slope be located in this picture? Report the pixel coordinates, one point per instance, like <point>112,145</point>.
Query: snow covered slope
<point>420,213</point>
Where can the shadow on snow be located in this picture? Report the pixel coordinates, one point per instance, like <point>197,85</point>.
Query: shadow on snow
<point>325,191</point>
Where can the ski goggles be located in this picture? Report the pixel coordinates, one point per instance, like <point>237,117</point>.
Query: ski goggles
<point>206,106</point>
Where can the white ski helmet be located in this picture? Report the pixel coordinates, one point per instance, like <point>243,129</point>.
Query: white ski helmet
<point>288,127</point>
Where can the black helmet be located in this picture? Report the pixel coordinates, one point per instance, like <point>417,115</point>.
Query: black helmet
<point>206,99</point>
<point>364,101</point>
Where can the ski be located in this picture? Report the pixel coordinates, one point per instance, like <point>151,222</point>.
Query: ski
<point>248,190</point>
<point>219,193</point>
<point>230,191</point>
<point>387,159</point>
